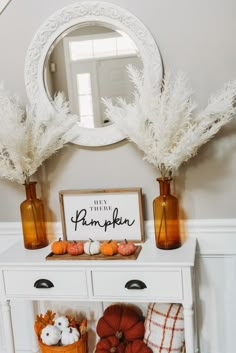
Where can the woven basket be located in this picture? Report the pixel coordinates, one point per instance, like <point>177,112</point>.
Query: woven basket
<point>80,346</point>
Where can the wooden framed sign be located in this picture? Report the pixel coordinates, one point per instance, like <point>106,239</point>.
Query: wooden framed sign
<point>102,214</point>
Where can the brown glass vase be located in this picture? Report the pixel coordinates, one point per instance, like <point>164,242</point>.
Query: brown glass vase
<point>166,217</point>
<point>32,218</point>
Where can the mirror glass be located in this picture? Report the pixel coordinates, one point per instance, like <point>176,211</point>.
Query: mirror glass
<point>83,50</point>
<point>88,62</point>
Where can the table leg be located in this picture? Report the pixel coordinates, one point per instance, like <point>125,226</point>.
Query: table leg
<point>189,329</point>
<point>32,309</point>
<point>7,326</point>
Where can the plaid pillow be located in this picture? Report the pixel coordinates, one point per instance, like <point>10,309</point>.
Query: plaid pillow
<point>164,328</point>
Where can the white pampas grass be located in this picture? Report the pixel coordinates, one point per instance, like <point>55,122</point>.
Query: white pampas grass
<point>167,127</point>
<point>30,136</point>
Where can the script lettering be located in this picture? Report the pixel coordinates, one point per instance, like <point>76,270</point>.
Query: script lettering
<point>80,217</point>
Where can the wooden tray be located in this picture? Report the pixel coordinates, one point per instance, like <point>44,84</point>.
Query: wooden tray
<point>100,256</point>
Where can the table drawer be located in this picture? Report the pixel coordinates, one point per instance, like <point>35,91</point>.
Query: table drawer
<point>45,283</point>
<point>148,284</point>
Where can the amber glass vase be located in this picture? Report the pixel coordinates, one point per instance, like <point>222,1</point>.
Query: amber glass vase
<point>166,217</point>
<point>32,218</point>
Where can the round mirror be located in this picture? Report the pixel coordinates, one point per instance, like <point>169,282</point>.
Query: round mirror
<point>83,50</point>
<point>87,63</point>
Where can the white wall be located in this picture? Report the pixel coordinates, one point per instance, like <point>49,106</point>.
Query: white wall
<point>194,36</point>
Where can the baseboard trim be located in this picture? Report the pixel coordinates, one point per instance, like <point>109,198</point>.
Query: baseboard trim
<point>216,237</point>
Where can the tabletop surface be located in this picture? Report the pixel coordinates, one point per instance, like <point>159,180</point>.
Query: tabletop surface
<point>17,255</point>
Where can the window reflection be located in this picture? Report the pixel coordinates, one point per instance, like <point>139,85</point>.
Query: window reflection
<point>85,100</point>
<point>88,63</point>
<point>101,47</point>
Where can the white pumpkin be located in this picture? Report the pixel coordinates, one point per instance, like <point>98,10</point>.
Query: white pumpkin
<point>69,335</point>
<point>92,247</point>
<point>50,335</point>
<point>61,322</point>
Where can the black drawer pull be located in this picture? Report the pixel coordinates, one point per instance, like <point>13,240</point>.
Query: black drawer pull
<point>135,284</point>
<point>43,283</point>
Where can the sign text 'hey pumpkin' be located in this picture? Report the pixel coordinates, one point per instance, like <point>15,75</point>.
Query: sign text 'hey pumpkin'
<point>102,214</point>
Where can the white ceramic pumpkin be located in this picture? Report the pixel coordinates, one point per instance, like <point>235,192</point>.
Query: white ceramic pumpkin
<point>50,335</point>
<point>61,322</point>
<point>69,335</point>
<point>92,247</point>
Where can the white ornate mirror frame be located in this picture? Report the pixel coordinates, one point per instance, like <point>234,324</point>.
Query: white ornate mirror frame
<point>3,5</point>
<point>79,13</point>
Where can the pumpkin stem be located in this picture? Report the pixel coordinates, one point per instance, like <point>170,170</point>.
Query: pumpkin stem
<point>119,335</point>
<point>70,329</point>
<point>126,241</point>
<point>113,349</point>
<point>91,239</point>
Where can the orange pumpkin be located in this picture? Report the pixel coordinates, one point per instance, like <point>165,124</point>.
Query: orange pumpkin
<point>126,248</point>
<point>109,248</point>
<point>59,247</point>
<point>75,248</point>
<point>137,346</point>
<point>122,321</point>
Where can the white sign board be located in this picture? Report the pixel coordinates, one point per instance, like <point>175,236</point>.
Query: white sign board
<point>102,214</point>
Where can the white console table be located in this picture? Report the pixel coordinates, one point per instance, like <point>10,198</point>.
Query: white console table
<point>167,275</point>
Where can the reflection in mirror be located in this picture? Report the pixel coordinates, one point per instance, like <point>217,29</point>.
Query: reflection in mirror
<point>87,62</point>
